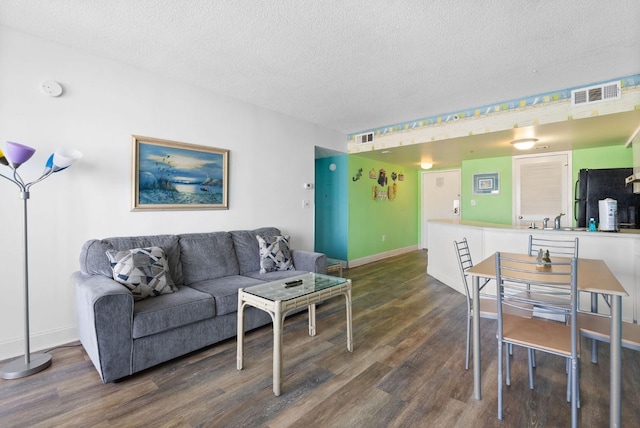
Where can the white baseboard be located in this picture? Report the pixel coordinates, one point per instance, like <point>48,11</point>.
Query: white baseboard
<point>381,256</point>
<point>39,342</point>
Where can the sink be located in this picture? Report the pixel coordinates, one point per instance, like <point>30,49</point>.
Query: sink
<point>568,229</point>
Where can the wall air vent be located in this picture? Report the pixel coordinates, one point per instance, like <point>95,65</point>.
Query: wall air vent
<point>364,138</point>
<point>596,94</point>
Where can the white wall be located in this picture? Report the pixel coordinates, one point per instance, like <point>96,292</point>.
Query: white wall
<point>103,104</point>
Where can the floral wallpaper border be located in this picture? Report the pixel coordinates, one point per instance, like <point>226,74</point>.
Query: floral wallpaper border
<point>531,101</point>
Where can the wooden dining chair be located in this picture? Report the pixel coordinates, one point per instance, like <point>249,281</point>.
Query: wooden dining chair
<point>551,291</point>
<point>486,304</point>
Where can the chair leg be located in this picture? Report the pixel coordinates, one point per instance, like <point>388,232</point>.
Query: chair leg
<point>466,364</point>
<point>569,379</point>
<point>530,358</point>
<point>508,366</point>
<point>570,382</point>
<point>533,358</point>
<point>500,379</point>
<point>574,393</point>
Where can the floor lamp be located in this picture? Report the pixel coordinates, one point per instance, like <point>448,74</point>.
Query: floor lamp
<point>15,155</point>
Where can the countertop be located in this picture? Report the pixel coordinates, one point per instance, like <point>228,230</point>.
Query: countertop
<point>625,232</point>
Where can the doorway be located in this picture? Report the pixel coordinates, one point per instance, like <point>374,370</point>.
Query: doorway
<point>440,198</point>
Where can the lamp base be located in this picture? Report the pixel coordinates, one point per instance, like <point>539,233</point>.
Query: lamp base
<point>19,368</point>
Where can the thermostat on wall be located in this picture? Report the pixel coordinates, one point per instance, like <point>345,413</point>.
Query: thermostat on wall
<point>51,88</point>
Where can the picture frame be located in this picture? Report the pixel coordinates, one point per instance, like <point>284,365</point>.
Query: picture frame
<point>486,184</point>
<point>171,175</point>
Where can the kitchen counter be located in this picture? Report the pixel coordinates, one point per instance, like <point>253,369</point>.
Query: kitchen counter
<point>619,250</point>
<point>576,231</point>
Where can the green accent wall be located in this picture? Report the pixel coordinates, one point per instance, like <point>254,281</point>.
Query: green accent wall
<point>601,157</point>
<point>370,218</point>
<point>498,208</point>
<point>355,221</point>
<point>493,208</point>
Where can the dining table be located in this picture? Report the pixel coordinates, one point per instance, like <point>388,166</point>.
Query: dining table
<point>595,277</point>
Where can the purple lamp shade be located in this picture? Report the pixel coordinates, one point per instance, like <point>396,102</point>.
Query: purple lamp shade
<point>17,154</point>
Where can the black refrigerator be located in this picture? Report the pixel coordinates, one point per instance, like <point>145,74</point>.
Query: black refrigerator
<point>596,184</point>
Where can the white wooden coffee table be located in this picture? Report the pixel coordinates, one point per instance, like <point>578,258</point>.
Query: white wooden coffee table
<point>278,299</point>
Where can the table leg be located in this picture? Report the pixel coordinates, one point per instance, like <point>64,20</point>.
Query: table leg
<point>312,319</point>
<point>616,362</point>
<point>594,342</point>
<point>240,333</point>
<point>477,385</point>
<point>278,321</point>
<point>347,296</point>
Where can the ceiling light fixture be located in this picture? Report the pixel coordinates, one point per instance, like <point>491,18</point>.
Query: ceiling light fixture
<point>426,165</point>
<point>525,143</point>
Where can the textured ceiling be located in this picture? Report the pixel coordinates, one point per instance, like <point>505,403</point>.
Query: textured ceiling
<point>357,65</point>
<point>352,65</point>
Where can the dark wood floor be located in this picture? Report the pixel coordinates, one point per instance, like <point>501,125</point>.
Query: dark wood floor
<point>407,370</point>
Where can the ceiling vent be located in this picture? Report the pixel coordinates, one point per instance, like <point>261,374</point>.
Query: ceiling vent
<point>364,138</point>
<point>596,94</point>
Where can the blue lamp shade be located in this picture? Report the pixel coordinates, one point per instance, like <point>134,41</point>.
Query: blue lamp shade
<point>17,154</point>
<point>61,159</point>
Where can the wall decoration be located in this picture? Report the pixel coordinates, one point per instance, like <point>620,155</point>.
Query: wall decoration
<point>382,177</point>
<point>358,175</point>
<point>169,175</point>
<point>486,184</point>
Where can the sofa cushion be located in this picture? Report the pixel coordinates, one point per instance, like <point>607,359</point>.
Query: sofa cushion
<point>144,271</point>
<point>169,311</point>
<point>207,256</point>
<point>274,253</point>
<point>225,291</point>
<point>94,260</point>
<point>247,248</point>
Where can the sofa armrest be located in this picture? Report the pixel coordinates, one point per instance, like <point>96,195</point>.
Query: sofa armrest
<point>310,261</point>
<point>105,324</point>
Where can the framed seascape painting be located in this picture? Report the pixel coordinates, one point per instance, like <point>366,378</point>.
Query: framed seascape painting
<point>168,175</point>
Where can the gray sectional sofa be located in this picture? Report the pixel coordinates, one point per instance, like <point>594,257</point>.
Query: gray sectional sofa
<point>123,336</point>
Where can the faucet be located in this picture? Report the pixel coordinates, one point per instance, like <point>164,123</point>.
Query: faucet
<point>557,221</point>
<point>544,222</point>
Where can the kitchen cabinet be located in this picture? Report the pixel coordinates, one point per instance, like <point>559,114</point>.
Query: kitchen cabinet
<point>620,251</point>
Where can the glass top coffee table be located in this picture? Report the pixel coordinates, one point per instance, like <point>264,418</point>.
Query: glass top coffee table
<point>280,297</point>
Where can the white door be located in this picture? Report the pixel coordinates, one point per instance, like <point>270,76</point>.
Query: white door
<point>542,189</point>
<point>440,198</point>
